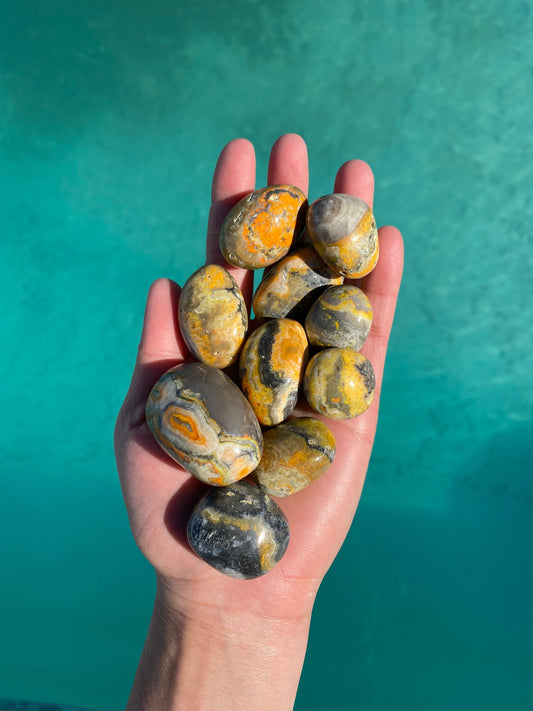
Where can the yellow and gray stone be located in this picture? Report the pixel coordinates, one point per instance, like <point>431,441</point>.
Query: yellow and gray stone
<point>202,420</point>
<point>339,383</point>
<point>271,368</point>
<point>291,285</point>
<point>341,317</point>
<point>295,454</point>
<point>343,230</point>
<point>212,316</point>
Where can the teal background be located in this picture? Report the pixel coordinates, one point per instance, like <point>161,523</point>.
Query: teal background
<point>112,117</point>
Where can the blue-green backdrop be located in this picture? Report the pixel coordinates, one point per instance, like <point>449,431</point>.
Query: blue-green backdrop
<point>112,115</point>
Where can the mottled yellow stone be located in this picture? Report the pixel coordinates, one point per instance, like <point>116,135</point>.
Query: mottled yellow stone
<point>261,228</point>
<point>339,383</point>
<point>295,454</point>
<point>213,316</point>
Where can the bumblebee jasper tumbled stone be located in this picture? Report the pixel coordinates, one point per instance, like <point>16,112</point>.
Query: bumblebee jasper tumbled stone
<point>295,454</point>
<point>271,368</point>
<point>238,530</point>
<point>212,316</point>
<point>343,230</point>
<point>339,383</point>
<point>340,317</point>
<point>260,229</point>
<point>203,421</point>
<point>291,285</point>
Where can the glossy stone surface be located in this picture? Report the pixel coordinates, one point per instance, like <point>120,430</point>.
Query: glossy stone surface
<point>271,368</point>
<point>343,230</point>
<point>341,317</point>
<point>295,454</point>
<point>260,229</point>
<point>339,383</point>
<point>212,316</point>
<point>238,530</point>
<point>203,421</point>
<point>289,288</point>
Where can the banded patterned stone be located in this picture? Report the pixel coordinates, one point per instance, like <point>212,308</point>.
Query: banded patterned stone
<point>343,230</point>
<point>341,317</point>
<point>202,420</point>
<point>238,530</point>
<point>271,368</point>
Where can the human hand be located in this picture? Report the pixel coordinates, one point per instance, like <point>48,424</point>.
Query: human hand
<point>160,495</point>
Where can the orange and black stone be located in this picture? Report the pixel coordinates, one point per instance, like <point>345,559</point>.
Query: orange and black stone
<point>271,368</point>
<point>261,228</point>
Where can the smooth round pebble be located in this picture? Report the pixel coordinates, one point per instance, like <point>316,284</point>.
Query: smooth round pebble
<point>295,454</point>
<point>212,316</point>
<point>238,530</point>
<point>339,383</point>
<point>271,368</point>
<point>291,285</point>
<point>341,317</point>
<point>260,229</point>
<point>343,230</point>
<point>203,421</point>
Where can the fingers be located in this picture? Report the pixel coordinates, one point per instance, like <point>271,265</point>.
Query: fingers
<point>234,177</point>
<point>161,346</point>
<point>161,336</point>
<point>288,162</point>
<point>356,178</point>
<point>382,286</point>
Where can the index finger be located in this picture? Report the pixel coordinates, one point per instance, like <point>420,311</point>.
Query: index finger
<point>234,177</point>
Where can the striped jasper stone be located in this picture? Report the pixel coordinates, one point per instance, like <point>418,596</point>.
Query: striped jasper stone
<point>202,420</point>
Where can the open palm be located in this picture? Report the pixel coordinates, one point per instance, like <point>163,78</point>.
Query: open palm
<point>159,494</point>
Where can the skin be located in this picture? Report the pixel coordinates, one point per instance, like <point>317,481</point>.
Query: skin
<point>217,643</point>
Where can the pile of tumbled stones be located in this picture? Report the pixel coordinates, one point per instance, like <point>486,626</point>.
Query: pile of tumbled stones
<point>213,428</point>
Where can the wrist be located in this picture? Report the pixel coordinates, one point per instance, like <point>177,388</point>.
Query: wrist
<point>208,658</point>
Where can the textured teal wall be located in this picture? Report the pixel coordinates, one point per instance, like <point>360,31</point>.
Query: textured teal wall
<point>112,116</point>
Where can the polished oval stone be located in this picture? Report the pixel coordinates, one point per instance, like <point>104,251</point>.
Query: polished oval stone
<point>341,317</point>
<point>289,287</point>
<point>212,316</point>
<point>238,530</point>
<point>203,421</point>
<point>295,454</point>
<point>271,368</point>
<point>339,383</point>
<point>343,230</point>
<point>260,229</point>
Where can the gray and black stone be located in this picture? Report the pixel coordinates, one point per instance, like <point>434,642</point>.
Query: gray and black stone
<point>239,530</point>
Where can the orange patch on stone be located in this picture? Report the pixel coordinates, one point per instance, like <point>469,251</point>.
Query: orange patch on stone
<point>187,427</point>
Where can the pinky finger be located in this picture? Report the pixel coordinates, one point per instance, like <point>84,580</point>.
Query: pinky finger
<point>382,286</point>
